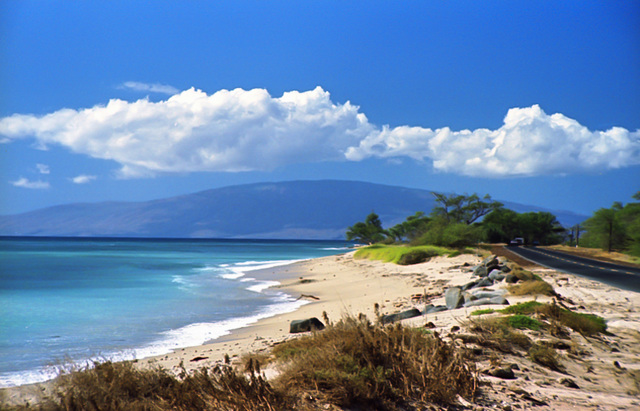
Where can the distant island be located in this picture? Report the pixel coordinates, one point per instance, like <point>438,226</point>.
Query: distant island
<point>280,210</point>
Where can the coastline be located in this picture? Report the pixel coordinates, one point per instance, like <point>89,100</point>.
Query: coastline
<point>605,368</point>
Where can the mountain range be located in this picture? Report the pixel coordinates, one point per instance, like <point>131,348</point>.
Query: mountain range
<point>282,210</point>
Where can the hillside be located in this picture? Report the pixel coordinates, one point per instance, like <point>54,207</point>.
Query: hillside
<point>284,210</point>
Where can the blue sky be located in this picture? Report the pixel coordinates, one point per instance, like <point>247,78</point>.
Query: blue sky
<point>537,103</point>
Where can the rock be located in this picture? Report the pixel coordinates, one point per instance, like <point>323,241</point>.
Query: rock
<point>196,359</point>
<point>480,271</point>
<point>505,269</point>
<point>511,279</point>
<point>301,326</point>
<point>488,294</point>
<point>390,318</point>
<point>496,275</point>
<point>491,260</point>
<point>487,301</point>
<point>506,373</point>
<point>453,298</point>
<point>455,328</point>
<point>429,325</point>
<point>568,382</point>
<point>435,309</point>
<point>468,297</point>
<point>470,285</point>
<point>485,282</point>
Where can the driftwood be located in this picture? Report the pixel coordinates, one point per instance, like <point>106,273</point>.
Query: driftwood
<point>313,297</point>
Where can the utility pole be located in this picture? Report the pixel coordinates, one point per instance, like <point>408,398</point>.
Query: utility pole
<point>577,235</point>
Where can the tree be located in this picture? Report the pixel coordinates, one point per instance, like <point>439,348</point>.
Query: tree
<point>411,228</point>
<point>370,231</point>
<point>463,208</point>
<point>605,228</point>
<point>503,225</point>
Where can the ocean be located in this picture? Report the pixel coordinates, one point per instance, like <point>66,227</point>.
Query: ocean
<point>70,301</point>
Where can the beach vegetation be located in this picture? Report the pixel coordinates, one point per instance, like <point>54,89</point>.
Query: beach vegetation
<point>497,334</point>
<point>356,362</point>
<point>483,311</point>
<point>368,232</point>
<point>545,356</point>
<point>396,253</point>
<point>523,322</point>
<point>533,287</point>
<point>615,228</point>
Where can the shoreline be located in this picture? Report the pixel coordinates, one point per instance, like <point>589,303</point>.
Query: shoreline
<point>343,285</point>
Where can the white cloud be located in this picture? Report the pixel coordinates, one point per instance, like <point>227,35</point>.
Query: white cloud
<point>233,130</point>
<point>530,142</point>
<point>151,88</point>
<point>243,130</point>
<point>43,168</point>
<point>83,179</point>
<point>25,183</point>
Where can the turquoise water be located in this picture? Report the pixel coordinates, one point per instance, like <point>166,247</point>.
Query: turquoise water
<point>71,300</point>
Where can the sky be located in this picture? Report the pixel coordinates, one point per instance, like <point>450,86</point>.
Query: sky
<point>530,102</point>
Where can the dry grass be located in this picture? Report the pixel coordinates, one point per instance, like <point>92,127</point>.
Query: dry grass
<point>356,362</point>
<point>597,254</point>
<point>120,386</point>
<point>545,356</point>
<point>533,287</point>
<point>350,363</point>
<point>498,334</point>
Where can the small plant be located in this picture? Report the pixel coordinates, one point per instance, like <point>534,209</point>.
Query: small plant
<point>523,322</point>
<point>532,287</point>
<point>528,307</point>
<point>484,311</point>
<point>545,356</point>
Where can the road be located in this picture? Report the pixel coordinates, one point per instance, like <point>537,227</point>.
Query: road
<point>627,278</point>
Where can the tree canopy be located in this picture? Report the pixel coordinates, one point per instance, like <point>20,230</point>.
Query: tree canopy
<point>463,208</point>
<point>370,231</point>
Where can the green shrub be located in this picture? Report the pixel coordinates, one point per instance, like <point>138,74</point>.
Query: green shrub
<point>484,311</point>
<point>528,307</point>
<point>533,287</point>
<point>523,322</point>
<point>415,257</point>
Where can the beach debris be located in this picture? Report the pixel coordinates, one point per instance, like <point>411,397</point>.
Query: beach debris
<point>196,359</point>
<point>390,318</point>
<point>309,296</point>
<point>301,326</point>
<point>453,298</point>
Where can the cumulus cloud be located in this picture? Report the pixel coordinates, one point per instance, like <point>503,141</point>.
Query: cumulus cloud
<point>43,168</point>
<point>83,179</point>
<point>244,130</point>
<point>233,130</point>
<point>149,88</point>
<point>26,183</point>
<point>530,142</point>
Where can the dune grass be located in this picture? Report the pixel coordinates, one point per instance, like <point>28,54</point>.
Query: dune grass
<point>405,255</point>
<point>355,362</point>
<point>586,324</point>
<point>352,363</point>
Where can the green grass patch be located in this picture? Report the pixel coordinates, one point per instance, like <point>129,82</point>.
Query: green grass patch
<point>395,253</point>
<point>533,287</point>
<point>528,307</point>
<point>485,311</point>
<point>523,322</point>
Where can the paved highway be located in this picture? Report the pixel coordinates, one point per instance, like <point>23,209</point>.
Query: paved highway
<point>620,276</point>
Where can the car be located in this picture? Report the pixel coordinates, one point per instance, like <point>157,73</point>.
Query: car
<point>516,242</point>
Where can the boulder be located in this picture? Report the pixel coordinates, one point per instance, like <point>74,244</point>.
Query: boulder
<point>468,297</point>
<point>487,294</point>
<point>435,309</point>
<point>487,301</point>
<point>301,326</point>
<point>470,285</point>
<point>480,271</point>
<point>491,262</point>
<point>511,279</point>
<point>453,298</point>
<point>505,269</point>
<point>496,275</point>
<point>485,282</point>
<point>390,318</point>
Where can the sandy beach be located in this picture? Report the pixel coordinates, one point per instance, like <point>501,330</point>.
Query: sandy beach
<point>607,372</point>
